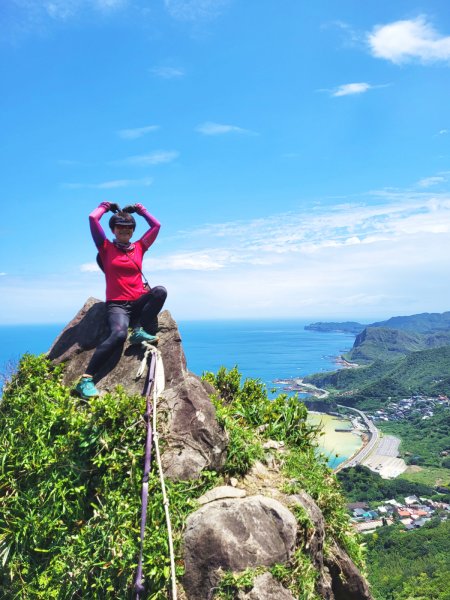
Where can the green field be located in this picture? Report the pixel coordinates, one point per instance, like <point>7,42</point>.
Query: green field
<point>427,475</point>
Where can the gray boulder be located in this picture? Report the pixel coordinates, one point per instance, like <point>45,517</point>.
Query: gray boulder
<point>194,440</point>
<point>347,581</point>
<point>312,535</point>
<point>235,534</point>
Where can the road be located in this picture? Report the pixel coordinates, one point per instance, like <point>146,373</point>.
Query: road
<point>374,437</point>
<point>379,454</point>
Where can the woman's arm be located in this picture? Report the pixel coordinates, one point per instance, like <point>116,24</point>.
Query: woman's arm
<point>150,235</point>
<point>98,235</point>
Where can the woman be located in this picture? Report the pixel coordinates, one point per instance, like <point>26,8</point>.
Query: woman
<point>127,299</point>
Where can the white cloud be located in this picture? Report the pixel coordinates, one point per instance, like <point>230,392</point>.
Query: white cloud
<point>167,72</point>
<point>210,128</point>
<point>385,254</point>
<point>154,158</point>
<point>109,185</point>
<point>194,10</point>
<point>392,216</point>
<point>2,274</point>
<point>348,89</point>
<point>89,267</point>
<point>351,88</point>
<point>429,181</point>
<point>443,131</point>
<point>65,9</point>
<point>408,40</point>
<point>205,260</point>
<point>137,132</point>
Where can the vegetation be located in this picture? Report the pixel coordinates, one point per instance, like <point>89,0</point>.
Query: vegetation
<point>70,481</point>
<point>70,493</point>
<point>345,327</point>
<point>360,484</point>
<point>382,343</point>
<point>246,408</point>
<point>424,442</point>
<point>425,372</point>
<point>413,565</point>
<point>430,476</point>
<point>421,323</point>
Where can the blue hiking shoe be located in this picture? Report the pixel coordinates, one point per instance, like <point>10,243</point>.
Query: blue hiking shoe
<point>86,388</point>
<point>140,335</point>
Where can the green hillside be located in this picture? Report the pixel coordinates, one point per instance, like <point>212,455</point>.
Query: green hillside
<point>423,372</point>
<point>382,343</point>
<point>412,565</point>
<point>420,323</point>
<point>360,484</point>
<point>424,442</point>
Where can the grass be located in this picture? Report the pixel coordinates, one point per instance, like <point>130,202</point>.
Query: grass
<point>431,476</point>
<point>70,479</point>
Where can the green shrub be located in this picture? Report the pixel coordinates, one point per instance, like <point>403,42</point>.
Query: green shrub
<point>70,485</point>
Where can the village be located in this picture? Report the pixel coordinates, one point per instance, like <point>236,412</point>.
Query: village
<point>408,407</point>
<point>412,514</point>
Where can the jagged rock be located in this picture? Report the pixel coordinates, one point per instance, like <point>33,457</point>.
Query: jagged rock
<point>347,581</point>
<point>233,535</point>
<point>221,492</point>
<point>77,342</point>
<point>266,587</point>
<point>194,440</point>
<point>313,539</point>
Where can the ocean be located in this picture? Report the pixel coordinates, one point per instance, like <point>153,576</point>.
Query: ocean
<point>264,349</point>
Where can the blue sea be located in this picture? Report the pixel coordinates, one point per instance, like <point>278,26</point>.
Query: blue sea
<point>263,349</point>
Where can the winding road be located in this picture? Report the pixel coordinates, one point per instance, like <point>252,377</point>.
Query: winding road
<point>380,454</point>
<point>374,438</point>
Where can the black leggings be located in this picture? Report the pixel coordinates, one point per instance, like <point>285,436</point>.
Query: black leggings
<point>120,313</point>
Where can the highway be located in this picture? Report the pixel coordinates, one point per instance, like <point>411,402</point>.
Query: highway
<point>374,437</point>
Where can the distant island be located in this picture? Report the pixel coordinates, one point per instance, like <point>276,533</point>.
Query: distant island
<point>346,327</point>
<point>419,323</point>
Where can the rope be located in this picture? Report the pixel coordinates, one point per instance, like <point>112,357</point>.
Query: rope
<point>151,429</point>
<point>148,350</point>
<point>165,501</point>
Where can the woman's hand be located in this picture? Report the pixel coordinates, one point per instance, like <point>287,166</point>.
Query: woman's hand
<point>137,208</point>
<point>112,206</point>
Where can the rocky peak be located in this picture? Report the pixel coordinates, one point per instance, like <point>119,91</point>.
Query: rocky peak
<point>250,524</point>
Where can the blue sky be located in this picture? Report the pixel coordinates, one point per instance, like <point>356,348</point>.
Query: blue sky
<point>297,156</point>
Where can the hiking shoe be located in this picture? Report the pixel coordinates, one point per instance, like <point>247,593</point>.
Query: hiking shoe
<point>140,335</point>
<point>86,388</point>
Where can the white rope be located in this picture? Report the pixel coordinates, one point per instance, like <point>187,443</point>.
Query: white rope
<point>148,350</point>
<point>157,353</point>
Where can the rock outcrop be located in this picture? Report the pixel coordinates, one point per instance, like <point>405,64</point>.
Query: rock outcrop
<point>249,524</point>
<point>234,535</point>
<point>194,440</point>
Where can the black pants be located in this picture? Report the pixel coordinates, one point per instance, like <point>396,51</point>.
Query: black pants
<point>120,314</point>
